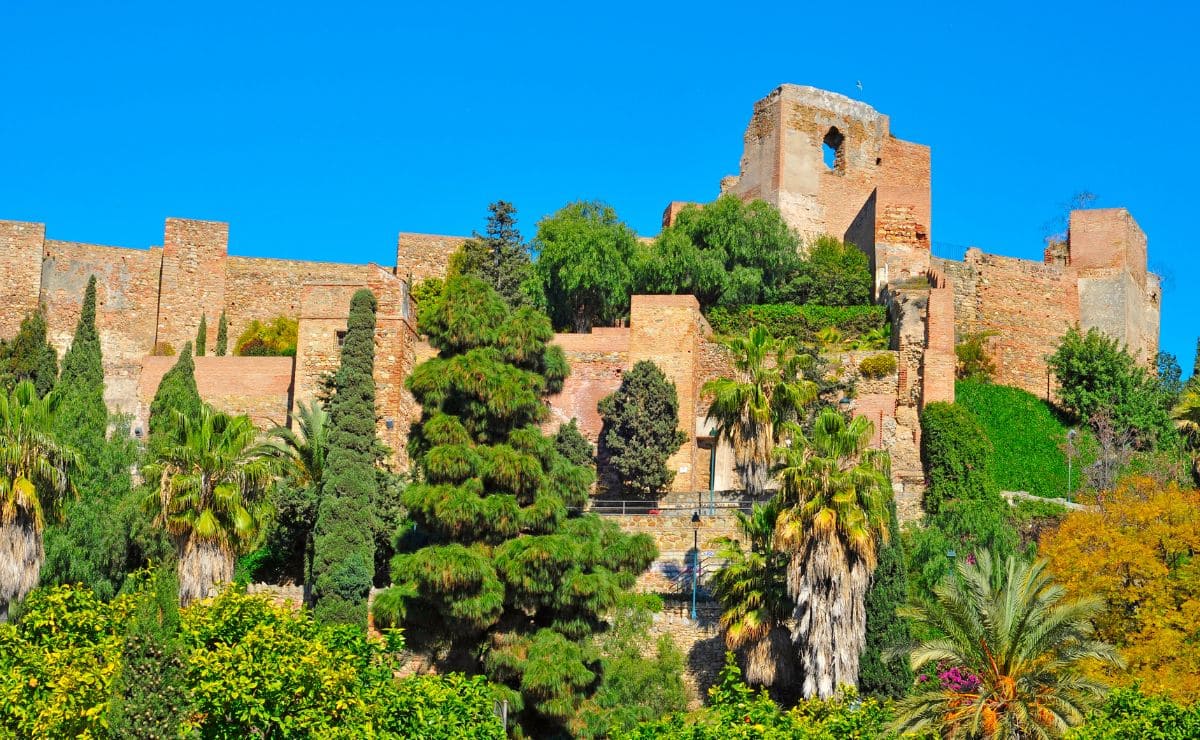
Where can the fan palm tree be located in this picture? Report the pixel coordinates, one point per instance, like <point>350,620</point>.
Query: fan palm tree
<point>834,510</point>
<point>209,480</point>
<point>302,454</point>
<point>752,588</point>
<point>35,474</point>
<point>749,410</point>
<point>1009,646</point>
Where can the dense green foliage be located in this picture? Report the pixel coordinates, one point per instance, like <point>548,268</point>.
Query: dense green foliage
<point>802,322</point>
<point>1027,438</point>
<point>585,257</point>
<point>249,669</point>
<point>343,541</point>
<point>971,358</point>
<point>503,575</point>
<point>571,444</point>
<point>176,394</point>
<point>222,335</point>
<point>832,273</point>
<point>1129,713</point>
<point>499,258</point>
<point>276,338</point>
<point>1098,377</point>
<point>725,253</point>
<point>83,418</point>
<point>28,356</point>
<point>964,510</point>
<point>202,336</point>
<point>880,675</point>
<point>641,429</point>
<point>737,712</point>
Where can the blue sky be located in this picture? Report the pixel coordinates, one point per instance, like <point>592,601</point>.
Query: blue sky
<point>321,131</point>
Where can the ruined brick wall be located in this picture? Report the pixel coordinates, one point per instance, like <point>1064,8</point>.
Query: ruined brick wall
<point>193,278</point>
<point>668,330</point>
<point>938,364</point>
<point>260,387</point>
<point>1117,295</point>
<point>262,289</point>
<point>421,256</point>
<point>21,255</point>
<point>597,360</point>
<point>876,194</point>
<point>126,308</point>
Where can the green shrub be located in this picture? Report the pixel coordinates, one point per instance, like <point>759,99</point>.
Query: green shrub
<point>1129,713</point>
<point>641,431</point>
<point>276,338</point>
<point>803,322</point>
<point>972,360</point>
<point>163,349</point>
<point>878,366</point>
<point>1027,438</point>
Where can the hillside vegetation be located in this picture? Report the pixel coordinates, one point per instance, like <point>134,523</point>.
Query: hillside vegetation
<point>1026,434</point>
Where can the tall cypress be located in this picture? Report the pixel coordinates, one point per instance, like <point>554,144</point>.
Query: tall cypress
<point>202,336</point>
<point>343,544</point>
<point>83,418</point>
<point>176,392</point>
<point>222,335</point>
<point>886,631</point>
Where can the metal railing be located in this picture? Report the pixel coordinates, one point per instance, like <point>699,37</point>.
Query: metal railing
<point>611,507</point>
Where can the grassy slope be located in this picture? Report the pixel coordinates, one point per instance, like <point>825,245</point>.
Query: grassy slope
<point>1027,434</point>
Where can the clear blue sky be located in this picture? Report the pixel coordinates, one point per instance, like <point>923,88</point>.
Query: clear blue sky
<point>320,131</point>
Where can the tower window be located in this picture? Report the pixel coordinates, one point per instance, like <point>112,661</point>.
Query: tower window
<point>835,158</point>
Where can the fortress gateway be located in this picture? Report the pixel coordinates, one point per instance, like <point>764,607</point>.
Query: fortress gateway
<point>876,194</point>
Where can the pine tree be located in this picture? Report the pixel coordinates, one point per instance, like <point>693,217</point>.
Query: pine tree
<point>28,356</point>
<point>176,392</point>
<point>83,417</point>
<point>641,429</point>
<point>343,543</point>
<point>499,257</point>
<point>885,630</point>
<point>503,574</point>
<point>202,336</point>
<point>222,335</point>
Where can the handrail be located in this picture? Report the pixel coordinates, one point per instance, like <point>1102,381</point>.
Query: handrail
<point>641,507</point>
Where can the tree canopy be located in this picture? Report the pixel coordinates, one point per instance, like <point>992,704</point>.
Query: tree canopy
<point>499,257</point>
<point>641,429</point>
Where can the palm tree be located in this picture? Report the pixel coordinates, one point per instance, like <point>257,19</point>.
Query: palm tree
<point>752,588</point>
<point>303,458</point>
<point>209,479</point>
<point>35,474</point>
<point>1009,648</point>
<point>748,411</point>
<point>834,497</point>
<point>1187,419</point>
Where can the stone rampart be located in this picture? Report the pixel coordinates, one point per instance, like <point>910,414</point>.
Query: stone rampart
<point>260,387</point>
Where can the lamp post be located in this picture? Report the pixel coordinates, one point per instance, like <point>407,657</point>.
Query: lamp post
<point>695,559</point>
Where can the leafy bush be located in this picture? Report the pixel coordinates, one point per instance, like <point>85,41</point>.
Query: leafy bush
<point>973,362</point>
<point>802,322</point>
<point>251,669</point>
<point>878,366</point>
<point>1129,713</point>
<point>276,338</point>
<point>163,349</point>
<point>736,712</point>
<point>641,421</point>
<point>832,273</point>
<point>1027,438</point>
<point>571,444</point>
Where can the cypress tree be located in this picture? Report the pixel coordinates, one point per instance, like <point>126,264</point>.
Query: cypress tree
<point>29,356</point>
<point>222,335</point>
<point>202,336</point>
<point>343,543</point>
<point>176,392</point>
<point>641,429</point>
<point>885,630</point>
<point>83,418</point>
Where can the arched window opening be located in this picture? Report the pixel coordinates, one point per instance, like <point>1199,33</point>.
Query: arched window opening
<point>835,158</point>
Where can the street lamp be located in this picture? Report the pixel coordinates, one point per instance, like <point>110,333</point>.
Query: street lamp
<point>695,559</point>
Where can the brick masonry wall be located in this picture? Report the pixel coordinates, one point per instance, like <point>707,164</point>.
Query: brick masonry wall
<point>21,255</point>
<point>126,308</point>
<point>259,387</point>
<point>193,278</point>
<point>421,256</point>
<point>597,360</point>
